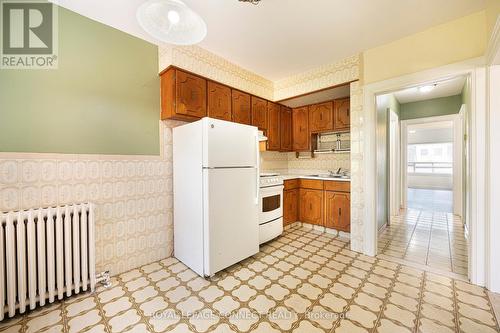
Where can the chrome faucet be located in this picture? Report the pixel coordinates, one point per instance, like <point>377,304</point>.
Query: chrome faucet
<point>340,171</point>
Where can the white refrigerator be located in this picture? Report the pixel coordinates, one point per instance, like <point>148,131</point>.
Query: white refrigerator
<point>216,194</point>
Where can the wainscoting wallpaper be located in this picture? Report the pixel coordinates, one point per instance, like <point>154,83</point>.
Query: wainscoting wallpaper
<point>132,194</point>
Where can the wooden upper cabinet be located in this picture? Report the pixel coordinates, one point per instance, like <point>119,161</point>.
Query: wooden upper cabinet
<point>311,206</point>
<point>290,206</point>
<point>273,127</point>
<point>183,95</point>
<point>338,211</point>
<point>286,129</point>
<point>219,101</point>
<point>300,129</point>
<point>321,117</point>
<point>242,112</point>
<point>342,114</point>
<point>259,113</point>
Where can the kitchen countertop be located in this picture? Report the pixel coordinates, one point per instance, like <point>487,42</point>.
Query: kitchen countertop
<point>292,176</point>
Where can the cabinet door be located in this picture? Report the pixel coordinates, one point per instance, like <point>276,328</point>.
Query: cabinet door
<point>273,126</point>
<point>241,107</point>
<point>219,101</point>
<point>286,129</point>
<point>338,211</point>
<point>290,206</point>
<point>342,114</point>
<point>321,117</point>
<point>259,113</point>
<point>300,129</point>
<point>191,95</point>
<point>311,206</point>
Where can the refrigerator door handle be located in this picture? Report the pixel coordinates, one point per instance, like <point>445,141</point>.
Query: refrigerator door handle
<point>257,169</point>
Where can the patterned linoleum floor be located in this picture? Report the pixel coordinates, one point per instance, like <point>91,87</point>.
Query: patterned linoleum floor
<point>305,281</point>
<point>434,239</point>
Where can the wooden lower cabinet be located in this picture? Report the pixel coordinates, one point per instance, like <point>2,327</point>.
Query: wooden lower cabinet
<point>338,211</point>
<point>290,206</point>
<point>311,206</point>
<point>325,203</point>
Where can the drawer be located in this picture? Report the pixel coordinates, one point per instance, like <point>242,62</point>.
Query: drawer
<point>311,184</point>
<point>291,184</point>
<point>331,185</point>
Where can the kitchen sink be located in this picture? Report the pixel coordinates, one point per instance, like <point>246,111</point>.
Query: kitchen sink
<point>334,176</point>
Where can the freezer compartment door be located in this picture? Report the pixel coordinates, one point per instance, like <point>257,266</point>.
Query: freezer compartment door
<point>228,144</point>
<point>231,217</point>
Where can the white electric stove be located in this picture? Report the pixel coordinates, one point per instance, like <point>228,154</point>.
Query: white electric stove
<point>271,207</point>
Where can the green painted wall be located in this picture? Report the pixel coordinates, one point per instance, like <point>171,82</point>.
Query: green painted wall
<point>103,99</point>
<point>432,107</point>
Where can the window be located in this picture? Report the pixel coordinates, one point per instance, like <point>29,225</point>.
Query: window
<point>433,158</point>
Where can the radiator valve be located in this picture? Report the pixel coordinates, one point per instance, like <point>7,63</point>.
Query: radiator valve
<point>104,278</point>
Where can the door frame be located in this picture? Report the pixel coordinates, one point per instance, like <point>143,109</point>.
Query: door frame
<point>394,165</point>
<point>475,70</point>
<point>457,153</point>
<point>493,161</point>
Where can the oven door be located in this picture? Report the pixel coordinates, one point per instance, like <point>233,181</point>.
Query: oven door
<point>271,203</point>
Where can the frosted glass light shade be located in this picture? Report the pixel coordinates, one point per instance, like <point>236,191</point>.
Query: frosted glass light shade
<point>171,21</point>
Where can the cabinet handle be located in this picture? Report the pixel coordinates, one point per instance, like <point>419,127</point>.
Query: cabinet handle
<point>310,206</point>
<point>321,116</point>
<point>348,112</point>
<point>340,211</point>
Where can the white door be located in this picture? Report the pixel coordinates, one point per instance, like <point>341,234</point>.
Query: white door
<point>231,217</point>
<point>228,144</point>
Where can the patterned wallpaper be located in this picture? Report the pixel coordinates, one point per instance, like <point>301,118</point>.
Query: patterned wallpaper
<point>289,163</point>
<point>197,60</point>
<point>133,197</point>
<point>326,76</point>
<point>357,172</point>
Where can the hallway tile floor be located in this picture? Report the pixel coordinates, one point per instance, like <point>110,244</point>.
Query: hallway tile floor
<point>429,238</point>
<point>304,281</point>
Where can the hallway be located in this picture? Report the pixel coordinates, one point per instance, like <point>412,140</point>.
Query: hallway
<point>430,200</point>
<point>434,239</point>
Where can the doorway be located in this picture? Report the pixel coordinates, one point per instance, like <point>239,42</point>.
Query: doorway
<point>420,172</point>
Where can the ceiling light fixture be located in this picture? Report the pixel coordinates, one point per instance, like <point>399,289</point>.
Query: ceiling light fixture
<point>253,2</point>
<point>171,21</point>
<point>428,88</point>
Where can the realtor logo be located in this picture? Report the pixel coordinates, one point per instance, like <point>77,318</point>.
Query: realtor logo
<point>29,34</point>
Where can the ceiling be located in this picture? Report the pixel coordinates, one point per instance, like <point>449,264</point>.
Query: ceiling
<point>444,88</point>
<point>280,38</point>
<point>318,97</point>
